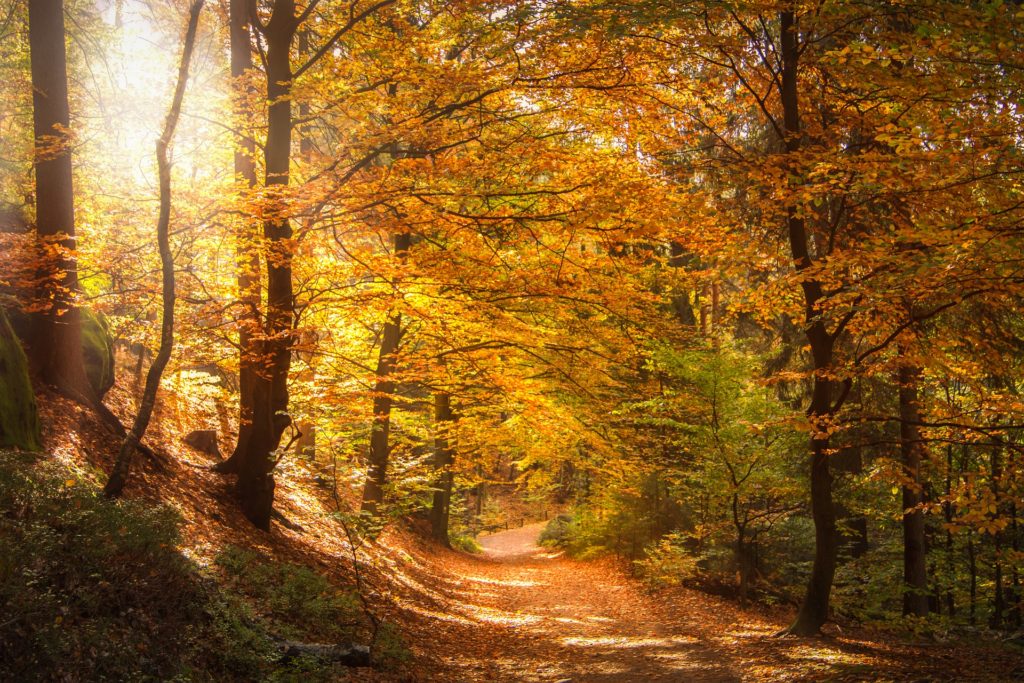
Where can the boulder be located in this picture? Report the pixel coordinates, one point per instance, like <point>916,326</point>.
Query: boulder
<point>97,344</point>
<point>204,441</point>
<point>97,351</point>
<point>19,420</point>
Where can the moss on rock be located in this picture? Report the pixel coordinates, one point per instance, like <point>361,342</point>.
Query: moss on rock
<point>97,350</point>
<point>19,419</point>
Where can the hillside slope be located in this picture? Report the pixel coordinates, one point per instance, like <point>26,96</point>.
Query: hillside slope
<point>515,613</point>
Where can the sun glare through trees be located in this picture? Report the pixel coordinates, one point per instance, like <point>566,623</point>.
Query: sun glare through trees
<point>490,340</point>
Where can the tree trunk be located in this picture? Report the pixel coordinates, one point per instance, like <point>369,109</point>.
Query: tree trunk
<point>269,394</point>
<point>915,574</point>
<point>948,512</point>
<point>972,568</point>
<point>122,465</point>
<point>56,339</point>
<point>376,475</point>
<point>247,255</point>
<point>444,457</point>
<point>998,595</point>
<point>814,609</point>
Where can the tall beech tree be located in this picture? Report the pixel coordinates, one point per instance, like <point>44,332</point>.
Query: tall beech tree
<point>56,344</point>
<point>383,397</point>
<point>267,396</point>
<point>248,259</point>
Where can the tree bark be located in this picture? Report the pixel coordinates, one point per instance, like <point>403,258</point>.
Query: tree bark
<point>56,339</point>
<point>122,465</point>
<point>269,393</point>
<point>998,595</point>
<point>444,458</point>
<point>383,391</point>
<point>915,573</point>
<point>247,254</point>
<point>814,609</point>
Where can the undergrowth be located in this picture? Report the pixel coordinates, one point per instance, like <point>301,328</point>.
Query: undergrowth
<point>465,543</point>
<point>97,590</point>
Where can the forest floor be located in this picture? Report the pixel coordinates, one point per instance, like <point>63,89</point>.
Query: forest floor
<point>521,612</point>
<point>517,612</point>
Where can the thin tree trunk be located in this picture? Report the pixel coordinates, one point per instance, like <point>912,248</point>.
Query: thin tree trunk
<point>998,595</point>
<point>444,457</point>
<point>814,609</point>
<point>972,567</point>
<point>56,339</point>
<point>915,573</point>
<point>122,466</point>
<point>383,391</point>
<point>949,512</point>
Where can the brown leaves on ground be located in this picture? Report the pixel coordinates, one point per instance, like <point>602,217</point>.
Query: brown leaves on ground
<point>518,612</point>
<point>524,613</point>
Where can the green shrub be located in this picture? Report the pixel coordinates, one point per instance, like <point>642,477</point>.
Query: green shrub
<point>668,562</point>
<point>465,543</point>
<point>88,585</point>
<point>298,601</point>
<point>556,533</point>
<point>96,590</point>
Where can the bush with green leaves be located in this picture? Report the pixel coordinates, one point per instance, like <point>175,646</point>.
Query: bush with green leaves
<point>296,600</point>
<point>465,543</point>
<point>556,532</point>
<point>93,589</point>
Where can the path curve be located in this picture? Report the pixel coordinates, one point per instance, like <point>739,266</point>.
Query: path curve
<point>527,613</point>
<point>523,613</point>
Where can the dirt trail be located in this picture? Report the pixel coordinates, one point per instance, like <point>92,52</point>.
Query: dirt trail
<point>525,613</point>
<point>588,624</point>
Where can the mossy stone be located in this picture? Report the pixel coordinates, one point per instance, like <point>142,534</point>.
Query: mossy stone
<point>97,344</point>
<point>19,419</point>
<point>97,351</point>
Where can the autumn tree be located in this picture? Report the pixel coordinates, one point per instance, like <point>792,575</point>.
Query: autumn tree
<point>56,347</point>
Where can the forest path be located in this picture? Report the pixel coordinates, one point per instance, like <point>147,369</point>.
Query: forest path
<point>520,612</point>
<point>584,621</point>
<point>526,613</point>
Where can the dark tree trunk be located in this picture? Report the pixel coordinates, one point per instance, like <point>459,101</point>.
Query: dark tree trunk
<point>948,512</point>
<point>56,339</point>
<point>246,251</point>
<point>744,566</point>
<point>444,457</point>
<point>998,594</point>
<point>383,398</point>
<point>269,395</point>
<point>915,573</point>
<point>681,305</point>
<point>972,568</point>
<point>814,609</point>
<point>122,465</point>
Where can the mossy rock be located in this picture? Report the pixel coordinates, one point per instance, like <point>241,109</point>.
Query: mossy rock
<point>97,350</point>
<point>97,344</point>
<point>19,419</point>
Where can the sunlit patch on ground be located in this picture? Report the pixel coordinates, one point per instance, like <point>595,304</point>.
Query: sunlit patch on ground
<point>626,642</point>
<point>495,582</point>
